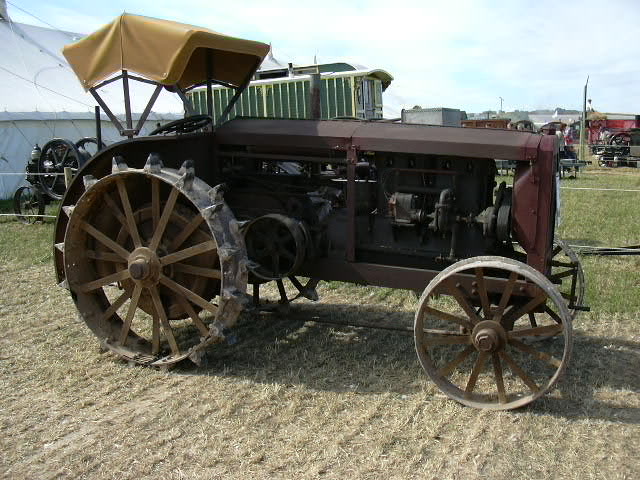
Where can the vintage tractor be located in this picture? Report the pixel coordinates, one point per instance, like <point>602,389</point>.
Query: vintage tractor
<point>159,236</point>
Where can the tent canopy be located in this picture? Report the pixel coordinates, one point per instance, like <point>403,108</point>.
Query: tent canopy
<point>166,52</point>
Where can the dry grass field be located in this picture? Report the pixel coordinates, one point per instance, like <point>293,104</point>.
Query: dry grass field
<point>293,398</point>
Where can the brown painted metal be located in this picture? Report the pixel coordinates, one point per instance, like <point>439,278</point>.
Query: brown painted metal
<point>398,277</point>
<point>534,202</point>
<point>375,136</point>
<point>352,159</point>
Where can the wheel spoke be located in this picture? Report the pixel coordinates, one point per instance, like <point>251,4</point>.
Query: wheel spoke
<point>155,202</point>
<point>561,275</point>
<point>461,357</point>
<point>64,156</point>
<point>448,317</point>
<point>186,232</point>
<point>55,162</point>
<point>101,282</point>
<point>168,332</point>
<point>514,315</point>
<point>462,301</point>
<point>556,263</point>
<point>283,292</point>
<point>497,372</point>
<point>204,331</point>
<point>482,291</point>
<point>128,213</point>
<point>450,338</point>
<point>475,373</point>
<point>199,271</point>
<point>519,372</point>
<point>106,241</point>
<point>256,294</point>
<point>552,314</point>
<point>126,326</point>
<point>164,219</point>
<point>296,283</point>
<point>194,297</point>
<point>545,357</point>
<point>532,319</point>
<point>105,256</point>
<point>188,252</point>
<point>506,295</point>
<point>106,315</point>
<point>115,210</point>
<point>536,331</point>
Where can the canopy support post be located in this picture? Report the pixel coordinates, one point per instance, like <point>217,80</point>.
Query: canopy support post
<point>147,109</point>
<point>106,109</point>
<point>209,83</point>
<point>127,104</point>
<point>98,127</point>
<point>239,91</point>
<point>188,105</point>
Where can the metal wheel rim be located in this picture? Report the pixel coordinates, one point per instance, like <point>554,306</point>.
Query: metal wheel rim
<point>113,321</point>
<point>493,401</point>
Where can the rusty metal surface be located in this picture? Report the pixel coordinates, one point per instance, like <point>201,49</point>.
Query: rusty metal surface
<point>167,243</point>
<point>383,137</point>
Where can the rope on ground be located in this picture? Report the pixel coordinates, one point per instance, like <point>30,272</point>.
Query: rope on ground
<point>600,189</point>
<point>24,215</point>
<point>593,250</point>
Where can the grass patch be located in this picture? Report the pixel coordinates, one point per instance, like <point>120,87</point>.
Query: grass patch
<point>296,399</point>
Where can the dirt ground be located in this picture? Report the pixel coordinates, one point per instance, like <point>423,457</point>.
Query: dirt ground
<point>296,399</point>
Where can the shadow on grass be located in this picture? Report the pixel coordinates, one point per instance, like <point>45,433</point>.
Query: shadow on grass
<point>598,381</point>
<point>293,351</point>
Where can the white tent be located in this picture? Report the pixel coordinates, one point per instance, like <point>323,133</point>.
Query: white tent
<point>41,99</point>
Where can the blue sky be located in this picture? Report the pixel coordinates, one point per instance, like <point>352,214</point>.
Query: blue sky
<point>459,53</point>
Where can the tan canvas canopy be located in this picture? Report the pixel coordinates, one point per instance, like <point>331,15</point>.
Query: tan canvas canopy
<point>163,51</point>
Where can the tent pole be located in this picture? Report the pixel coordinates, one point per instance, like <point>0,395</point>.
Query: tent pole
<point>98,128</point>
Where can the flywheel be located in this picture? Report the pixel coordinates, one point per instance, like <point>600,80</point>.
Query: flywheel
<point>155,262</point>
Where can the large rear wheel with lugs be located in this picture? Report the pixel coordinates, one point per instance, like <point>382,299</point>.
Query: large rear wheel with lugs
<point>475,332</point>
<point>154,262</point>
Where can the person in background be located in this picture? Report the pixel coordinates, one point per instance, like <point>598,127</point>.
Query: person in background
<point>561,142</point>
<point>568,143</point>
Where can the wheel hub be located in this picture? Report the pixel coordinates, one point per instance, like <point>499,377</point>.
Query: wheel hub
<point>489,336</point>
<point>144,266</point>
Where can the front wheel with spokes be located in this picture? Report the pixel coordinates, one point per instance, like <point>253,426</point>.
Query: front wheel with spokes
<point>473,329</point>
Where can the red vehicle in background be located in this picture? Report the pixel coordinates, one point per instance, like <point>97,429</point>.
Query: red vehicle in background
<point>610,136</point>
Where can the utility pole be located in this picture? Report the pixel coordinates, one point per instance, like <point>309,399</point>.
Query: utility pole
<point>583,122</point>
<point>501,100</point>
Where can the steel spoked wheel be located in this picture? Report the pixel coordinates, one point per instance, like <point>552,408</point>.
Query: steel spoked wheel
<point>568,275</point>
<point>276,247</point>
<point>473,340</point>
<point>155,262</point>
<point>55,156</point>
<point>28,204</point>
